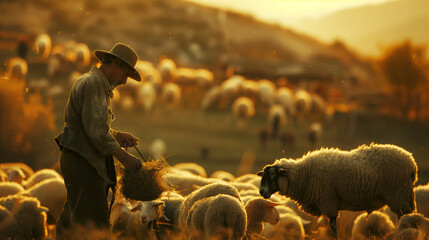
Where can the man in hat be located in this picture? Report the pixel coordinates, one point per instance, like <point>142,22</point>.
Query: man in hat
<point>88,144</point>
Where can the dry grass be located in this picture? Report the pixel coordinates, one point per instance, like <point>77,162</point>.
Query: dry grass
<point>145,184</point>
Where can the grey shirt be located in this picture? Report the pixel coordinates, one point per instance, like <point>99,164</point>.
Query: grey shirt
<point>87,119</point>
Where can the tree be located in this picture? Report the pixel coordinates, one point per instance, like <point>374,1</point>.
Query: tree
<point>403,66</point>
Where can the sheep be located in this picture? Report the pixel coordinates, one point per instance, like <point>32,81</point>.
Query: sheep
<point>414,220</point>
<point>17,68</point>
<point>29,214</point>
<point>146,96</point>
<point>231,88</point>
<point>276,119</point>
<point>217,217</point>
<point>10,188</point>
<point>82,54</point>
<point>42,45</point>
<point>290,227</point>
<point>171,95</point>
<point>183,181</point>
<point>15,174</point>
<point>205,192</point>
<point>326,181</point>
<point>41,175</point>
<point>27,170</point>
<point>169,223</point>
<point>157,148</point>
<point>266,92</point>
<point>286,98</point>
<point>314,133</point>
<point>52,194</point>
<point>8,225</point>
<point>260,210</point>
<point>376,225</point>
<point>204,78</point>
<point>249,178</point>
<point>250,89</point>
<point>211,98</point>
<point>136,221</point>
<point>185,76</point>
<point>302,102</point>
<point>223,175</point>
<point>191,167</point>
<point>422,199</point>
<point>243,108</point>
<point>167,69</point>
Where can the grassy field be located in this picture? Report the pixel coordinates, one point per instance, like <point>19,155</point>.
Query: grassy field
<point>186,132</point>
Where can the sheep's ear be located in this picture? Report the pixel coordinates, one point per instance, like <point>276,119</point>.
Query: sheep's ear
<point>260,173</point>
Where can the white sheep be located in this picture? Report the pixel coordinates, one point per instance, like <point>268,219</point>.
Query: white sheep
<point>211,98</point>
<point>146,96</point>
<point>242,109</point>
<point>171,95</point>
<point>52,194</point>
<point>327,181</point>
<point>250,88</point>
<point>314,133</point>
<point>376,225</point>
<point>290,227</point>
<point>184,181</point>
<point>191,167</point>
<point>266,92</point>
<point>414,220</point>
<point>10,188</point>
<point>286,98</point>
<point>131,223</point>
<point>218,217</point>
<point>422,199</point>
<point>302,102</point>
<point>15,174</point>
<point>258,211</point>
<point>276,119</point>
<point>223,175</point>
<point>206,191</point>
<point>41,175</point>
<point>157,148</point>
<point>27,170</point>
<point>9,227</point>
<point>204,78</point>
<point>42,45</point>
<point>185,76</point>
<point>167,69</point>
<point>30,216</point>
<point>17,68</point>
<point>231,88</point>
<point>82,54</point>
<point>249,178</point>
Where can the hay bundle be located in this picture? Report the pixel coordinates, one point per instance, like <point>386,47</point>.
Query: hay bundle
<point>145,184</point>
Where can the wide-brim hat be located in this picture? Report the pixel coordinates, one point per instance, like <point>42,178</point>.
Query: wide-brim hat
<point>126,54</point>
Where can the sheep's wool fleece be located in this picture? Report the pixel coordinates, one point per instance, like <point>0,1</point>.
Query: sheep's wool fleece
<point>218,216</point>
<point>356,177</point>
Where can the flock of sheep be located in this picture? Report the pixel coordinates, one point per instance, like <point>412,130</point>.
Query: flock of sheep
<point>167,86</point>
<point>300,199</point>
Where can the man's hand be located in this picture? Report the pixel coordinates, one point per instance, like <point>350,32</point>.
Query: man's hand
<point>128,160</point>
<point>126,139</point>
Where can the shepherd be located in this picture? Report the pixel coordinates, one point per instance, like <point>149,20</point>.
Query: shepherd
<point>88,144</point>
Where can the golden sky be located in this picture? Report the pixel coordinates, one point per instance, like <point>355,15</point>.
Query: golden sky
<point>287,12</point>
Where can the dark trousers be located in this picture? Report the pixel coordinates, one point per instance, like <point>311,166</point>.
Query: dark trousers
<point>86,203</point>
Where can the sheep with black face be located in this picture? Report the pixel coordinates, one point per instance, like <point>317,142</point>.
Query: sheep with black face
<point>327,181</point>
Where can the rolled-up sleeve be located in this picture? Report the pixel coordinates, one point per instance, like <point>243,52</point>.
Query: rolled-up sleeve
<point>95,119</point>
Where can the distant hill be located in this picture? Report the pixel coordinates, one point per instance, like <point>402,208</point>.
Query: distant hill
<point>193,36</point>
<point>370,28</point>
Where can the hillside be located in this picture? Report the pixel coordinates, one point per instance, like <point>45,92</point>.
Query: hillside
<point>370,28</point>
<point>192,35</point>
